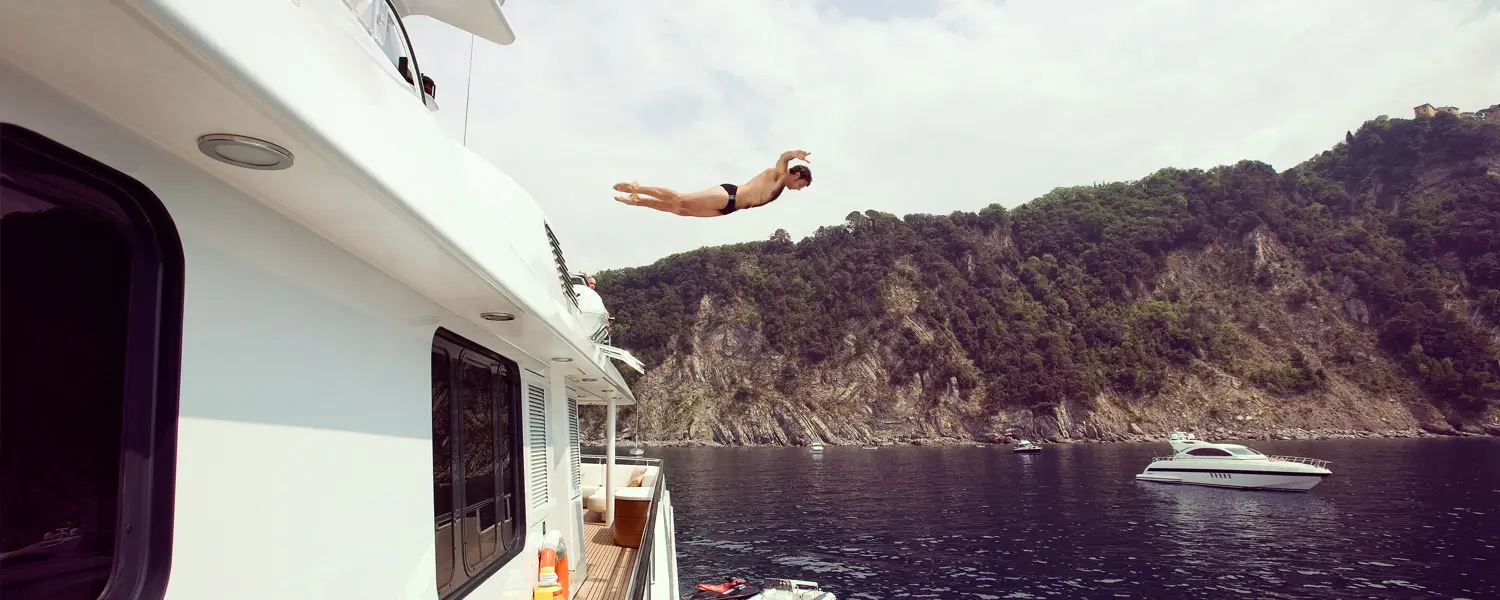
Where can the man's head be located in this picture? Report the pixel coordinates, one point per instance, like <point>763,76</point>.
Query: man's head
<point>797,177</point>
<point>591,282</point>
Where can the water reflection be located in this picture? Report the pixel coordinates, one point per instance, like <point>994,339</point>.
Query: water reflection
<point>1202,513</point>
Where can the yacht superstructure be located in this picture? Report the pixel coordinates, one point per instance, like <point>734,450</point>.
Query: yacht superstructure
<point>1197,462</point>
<point>271,333</point>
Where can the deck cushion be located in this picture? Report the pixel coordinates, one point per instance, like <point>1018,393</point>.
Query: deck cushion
<point>595,502</point>
<point>633,493</point>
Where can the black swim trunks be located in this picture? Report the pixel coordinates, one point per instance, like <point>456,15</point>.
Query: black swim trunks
<point>732,189</point>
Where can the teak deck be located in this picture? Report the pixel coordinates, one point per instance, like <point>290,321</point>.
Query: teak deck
<point>609,565</point>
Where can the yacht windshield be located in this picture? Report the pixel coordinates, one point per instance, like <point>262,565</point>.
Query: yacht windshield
<point>1242,451</point>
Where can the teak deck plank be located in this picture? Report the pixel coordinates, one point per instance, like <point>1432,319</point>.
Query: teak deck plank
<point>609,565</point>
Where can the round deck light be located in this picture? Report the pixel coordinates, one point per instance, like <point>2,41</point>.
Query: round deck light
<point>497,316</point>
<point>562,359</point>
<point>243,151</point>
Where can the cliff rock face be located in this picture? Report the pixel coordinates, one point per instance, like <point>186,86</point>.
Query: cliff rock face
<point>1354,295</point>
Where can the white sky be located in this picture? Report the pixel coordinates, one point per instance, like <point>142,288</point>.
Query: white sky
<point>926,106</point>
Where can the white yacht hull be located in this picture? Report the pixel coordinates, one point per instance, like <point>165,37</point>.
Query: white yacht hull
<point>1236,479</point>
<point>793,595</point>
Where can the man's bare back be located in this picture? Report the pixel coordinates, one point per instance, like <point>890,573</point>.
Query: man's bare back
<point>724,198</point>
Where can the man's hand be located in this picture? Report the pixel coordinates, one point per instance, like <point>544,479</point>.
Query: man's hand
<point>786,158</point>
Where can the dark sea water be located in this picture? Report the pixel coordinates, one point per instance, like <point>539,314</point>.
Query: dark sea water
<point>1399,519</point>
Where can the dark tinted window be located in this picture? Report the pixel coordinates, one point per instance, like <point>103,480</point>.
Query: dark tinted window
<point>1207,452</point>
<point>442,464</point>
<point>476,489</point>
<point>91,270</point>
<point>480,461</point>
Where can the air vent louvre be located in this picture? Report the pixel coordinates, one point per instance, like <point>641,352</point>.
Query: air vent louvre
<point>536,442</point>
<point>562,266</point>
<point>575,446</point>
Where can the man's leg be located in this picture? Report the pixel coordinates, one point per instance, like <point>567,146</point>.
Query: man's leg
<point>707,203</point>
<point>655,192</point>
<point>639,200</point>
<point>675,208</point>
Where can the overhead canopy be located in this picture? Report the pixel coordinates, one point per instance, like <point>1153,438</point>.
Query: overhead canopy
<point>479,17</point>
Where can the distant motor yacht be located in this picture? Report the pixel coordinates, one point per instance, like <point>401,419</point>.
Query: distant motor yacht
<point>817,446</point>
<point>1197,462</point>
<point>1026,447</point>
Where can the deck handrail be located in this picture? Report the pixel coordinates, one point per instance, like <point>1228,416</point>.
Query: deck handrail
<point>639,587</point>
<point>645,557</point>
<point>1321,464</point>
<point>597,459</point>
<point>602,335</point>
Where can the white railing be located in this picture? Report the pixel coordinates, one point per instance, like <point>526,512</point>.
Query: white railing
<point>1321,464</point>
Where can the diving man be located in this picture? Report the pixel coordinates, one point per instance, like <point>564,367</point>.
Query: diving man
<point>724,198</point>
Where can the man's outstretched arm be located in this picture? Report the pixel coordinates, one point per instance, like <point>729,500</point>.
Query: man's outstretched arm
<point>786,159</point>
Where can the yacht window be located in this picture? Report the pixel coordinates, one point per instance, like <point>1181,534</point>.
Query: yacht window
<point>92,271</point>
<point>1242,451</point>
<point>442,463</point>
<point>476,456</point>
<point>383,23</point>
<point>1207,452</point>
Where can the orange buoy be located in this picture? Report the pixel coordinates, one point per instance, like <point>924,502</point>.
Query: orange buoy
<point>554,556</point>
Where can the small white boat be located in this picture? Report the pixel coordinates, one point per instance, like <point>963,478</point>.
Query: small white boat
<point>1026,447</point>
<point>793,589</point>
<point>1197,462</point>
<point>775,589</point>
<point>637,452</point>
<point>872,447</point>
<point>817,446</point>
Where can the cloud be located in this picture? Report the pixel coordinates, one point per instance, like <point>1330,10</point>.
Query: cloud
<point>925,107</point>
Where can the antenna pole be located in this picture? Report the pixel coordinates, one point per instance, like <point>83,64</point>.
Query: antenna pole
<point>468,90</point>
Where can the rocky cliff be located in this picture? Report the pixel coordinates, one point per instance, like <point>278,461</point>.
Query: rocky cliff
<point>1356,294</point>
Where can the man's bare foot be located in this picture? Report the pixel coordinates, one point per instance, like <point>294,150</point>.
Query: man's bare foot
<point>627,187</point>
<point>633,199</point>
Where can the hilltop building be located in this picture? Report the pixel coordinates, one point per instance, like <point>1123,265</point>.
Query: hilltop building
<point>1488,114</point>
